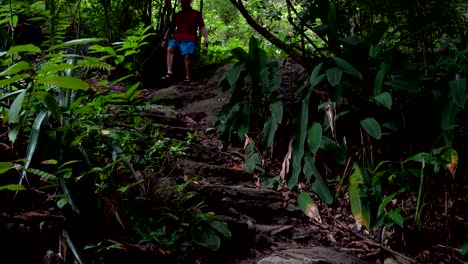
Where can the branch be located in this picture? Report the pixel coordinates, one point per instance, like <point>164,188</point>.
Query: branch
<point>270,37</point>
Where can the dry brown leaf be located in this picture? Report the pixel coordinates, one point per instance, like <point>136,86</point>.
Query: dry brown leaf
<point>287,158</point>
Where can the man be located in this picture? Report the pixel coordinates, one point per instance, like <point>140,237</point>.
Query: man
<point>183,30</point>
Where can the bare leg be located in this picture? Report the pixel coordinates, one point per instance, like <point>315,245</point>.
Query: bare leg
<point>188,66</point>
<point>170,59</point>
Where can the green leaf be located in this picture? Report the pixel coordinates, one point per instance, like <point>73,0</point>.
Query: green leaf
<point>333,150</point>
<point>372,127</point>
<point>307,205</point>
<point>409,86</point>
<point>15,108</point>
<point>396,216</point>
<point>15,68</point>
<point>271,125</point>
<point>55,68</point>
<point>24,48</point>
<point>384,99</point>
<point>458,92</point>
<point>332,27</point>
<point>314,77</point>
<point>379,78</point>
<point>234,73</point>
<point>49,101</point>
<point>419,157</point>
<point>12,187</point>
<point>359,204</point>
<point>449,113</point>
<point>13,79</point>
<point>347,67</point>
<point>252,161</point>
<point>64,82</point>
<point>269,182</point>
<point>5,166</point>
<point>334,76</point>
<point>315,137</point>
<point>221,227</point>
<point>464,249</point>
<point>243,124</point>
<point>77,42</point>
<point>298,145</point>
<point>206,237</point>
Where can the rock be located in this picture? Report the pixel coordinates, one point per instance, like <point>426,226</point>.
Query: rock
<point>319,255</point>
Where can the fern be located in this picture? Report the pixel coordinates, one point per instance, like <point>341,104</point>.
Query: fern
<point>43,174</point>
<point>92,63</point>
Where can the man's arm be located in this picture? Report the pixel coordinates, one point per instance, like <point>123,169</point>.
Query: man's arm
<point>205,35</point>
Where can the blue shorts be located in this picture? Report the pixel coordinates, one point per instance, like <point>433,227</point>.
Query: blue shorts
<point>185,47</point>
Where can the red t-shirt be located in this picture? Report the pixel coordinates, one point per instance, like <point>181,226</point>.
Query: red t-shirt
<point>186,23</point>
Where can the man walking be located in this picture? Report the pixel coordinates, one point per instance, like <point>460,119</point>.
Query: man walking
<point>183,34</point>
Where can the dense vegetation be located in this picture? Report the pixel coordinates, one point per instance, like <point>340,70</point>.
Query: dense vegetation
<point>377,117</point>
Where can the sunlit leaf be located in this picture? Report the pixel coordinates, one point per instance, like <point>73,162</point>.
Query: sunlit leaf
<point>372,127</point>
<point>77,42</point>
<point>359,204</point>
<point>15,68</point>
<point>12,187</point>
<point>13,79</point>
<point>308,206</point>
<point>24,48</point>
<point>451,156</point>
<point>234,73</point>
<point>64,82</point>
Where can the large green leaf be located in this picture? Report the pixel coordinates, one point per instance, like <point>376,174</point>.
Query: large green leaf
<point>384,99</point>
<point>77,42</point>
<point>314,137</point>
<point>234,73</point>
<point>12,187</point>
<point>379,78</point>
<point>64,82</point>
<point>309,166</point>
<point>15,108</point>
<point>24,48</point>
<point>298,145</point>
<point>332,25</point>
<point>357,197</point>
<point>5,166</point>
<point>315,78</point>
<point>458,92</point>
<point>13,79</point>
<point>55,68</point>
<point>17,67</point>
<point>49,101</point>
<point>372,127</point>
<point>334,76</point>
<point>319,187</point>
<point>271,125</point>
<point>347,67</point>
<point>206,237</point>
<point>308,206</point>
<point>33,140</point>
<point>243,121</point>
<point>221,227</point>
<point>409,86</point>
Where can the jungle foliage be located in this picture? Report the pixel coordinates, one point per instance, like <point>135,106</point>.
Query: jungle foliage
<point>381,102</point>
